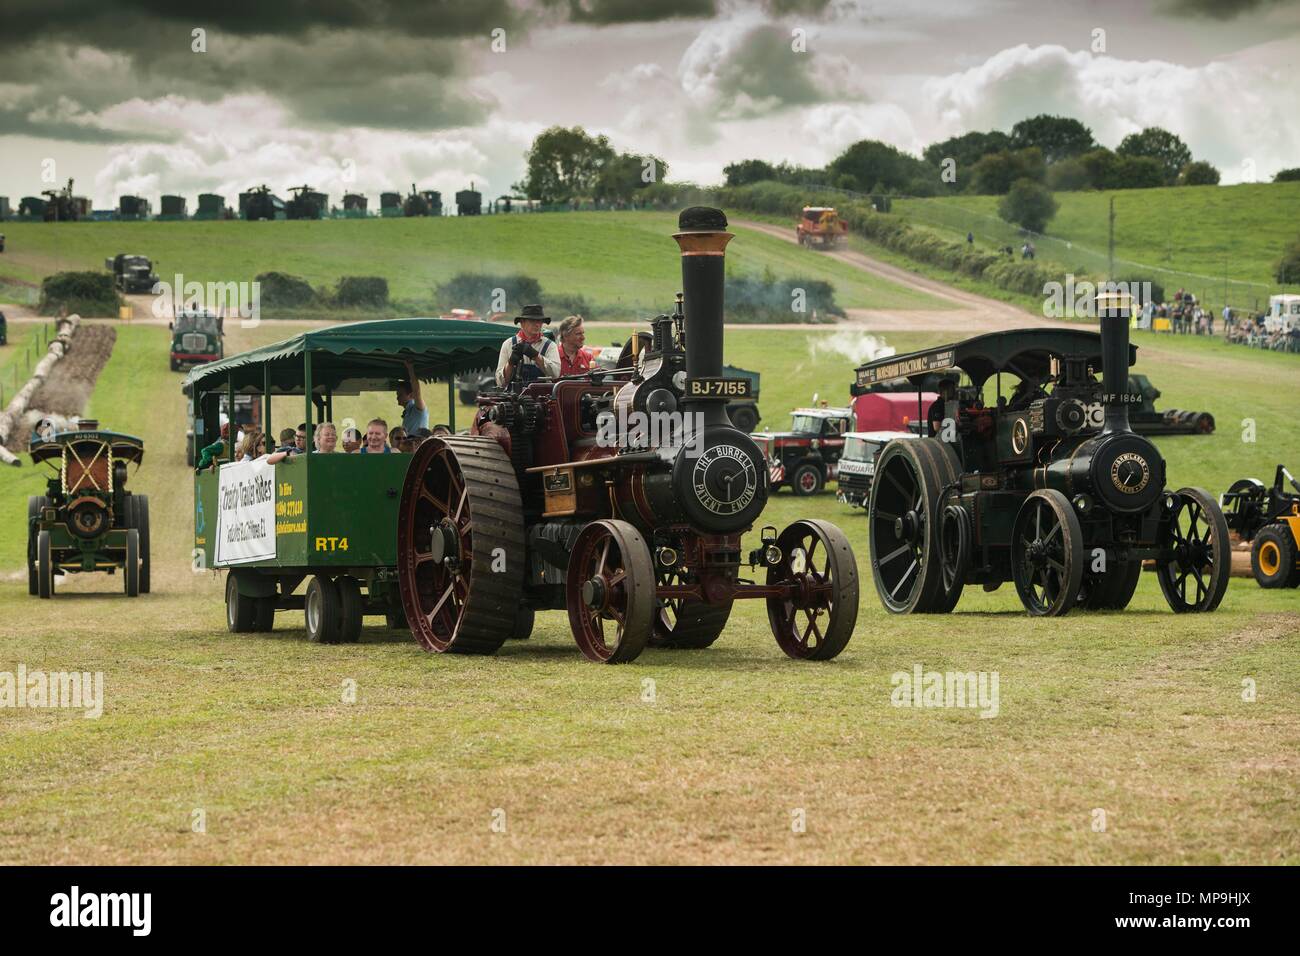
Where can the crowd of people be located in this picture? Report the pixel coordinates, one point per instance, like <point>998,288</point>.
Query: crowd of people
<point>252,444</point>
<point>1187,316</point>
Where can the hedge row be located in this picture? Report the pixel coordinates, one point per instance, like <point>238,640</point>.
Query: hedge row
<point>279,290</point>
<point>895,234</point>
<point>81,293</point>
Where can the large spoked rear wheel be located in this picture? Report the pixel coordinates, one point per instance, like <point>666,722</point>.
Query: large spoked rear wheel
<point>460,545</point>
<point>686,623</point>
<point>903,529</point>
<point>610,592</point>
<point>815,622</point>
<point>1195,577</point>
<point>1047,554</point>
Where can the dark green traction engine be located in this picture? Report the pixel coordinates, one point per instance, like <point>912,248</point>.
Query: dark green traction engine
<point>1050,489</point>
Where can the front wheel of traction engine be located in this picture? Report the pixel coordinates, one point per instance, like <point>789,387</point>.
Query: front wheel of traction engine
<point>610,581</point>
<point>1195,576</point>
<point>460,545</point>
<point>815,621</point>
<point>1047,554</point>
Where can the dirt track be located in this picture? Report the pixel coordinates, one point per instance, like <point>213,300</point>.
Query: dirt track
<point>974,313</point>
<point>69,387</point>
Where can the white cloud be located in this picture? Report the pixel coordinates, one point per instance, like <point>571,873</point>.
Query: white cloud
<point>1227,111</point>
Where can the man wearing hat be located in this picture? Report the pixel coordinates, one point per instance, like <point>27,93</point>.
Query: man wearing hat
<point>528,353</point>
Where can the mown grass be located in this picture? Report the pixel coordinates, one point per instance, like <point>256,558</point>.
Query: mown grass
<point>623,263</point>
<point>1237,231</point>
<point>681,757</point>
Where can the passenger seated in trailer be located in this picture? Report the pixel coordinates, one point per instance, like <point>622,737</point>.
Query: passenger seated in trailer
<point>209,454</point>
<point>351,441</point>
<point>376,442</point>
<point>326,438</point>
<point>300,437</point>
<point>396,437</point>
<point>288,442</point>
<point>253,446</point>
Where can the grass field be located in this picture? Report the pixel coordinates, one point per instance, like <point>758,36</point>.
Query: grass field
<point>1237,231</point>
<point>682,757</point>
<point>617,261</point>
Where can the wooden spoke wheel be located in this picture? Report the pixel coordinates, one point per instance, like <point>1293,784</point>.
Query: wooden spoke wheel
<point>460,545</point>
<point>610,592</point>
<point>686,623</point>
<point>1047,554</point>
<point>903,529</point>
<point>1195,577</point>
<point>815,622</point>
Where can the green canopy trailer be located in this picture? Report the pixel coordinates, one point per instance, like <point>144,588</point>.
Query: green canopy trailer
<point>327,519</point>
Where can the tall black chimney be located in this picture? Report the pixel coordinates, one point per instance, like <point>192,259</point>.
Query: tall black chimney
<point>703,239</point>
<point>1113,311</point>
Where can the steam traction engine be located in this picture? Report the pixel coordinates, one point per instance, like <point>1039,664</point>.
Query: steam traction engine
<point>564,496</point>
<point>1053,491</point>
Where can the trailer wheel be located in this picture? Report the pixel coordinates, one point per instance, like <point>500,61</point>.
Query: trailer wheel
<point>44,566</point>
<point>240,610</point>
<point>611,579</point>
<point>1273,557</point>
<point>817,561</point>
<point>807,480</point>
<point>323,611</point>
<point>263,614</point>
<point>1047,554</point>
<point>351,607</point>
<point>1195,577</point>
<point>131,567</point>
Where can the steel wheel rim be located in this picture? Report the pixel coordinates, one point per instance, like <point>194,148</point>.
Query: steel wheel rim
<point>313,610</point>
<point>808,481</point>
<point>442,587</point>
<point>1040,557</point>
<point>898,530</point>
<point>600,557</point>
<point>1193,559</point>
<point>814,586</point>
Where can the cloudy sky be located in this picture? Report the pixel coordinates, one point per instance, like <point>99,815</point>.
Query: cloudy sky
<point>371,95</point>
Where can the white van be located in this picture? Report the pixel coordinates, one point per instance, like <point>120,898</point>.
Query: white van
<point>1283,313</point>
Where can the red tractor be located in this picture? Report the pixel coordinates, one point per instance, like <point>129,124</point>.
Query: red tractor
<point>821,227</point>
<point>620,496</point>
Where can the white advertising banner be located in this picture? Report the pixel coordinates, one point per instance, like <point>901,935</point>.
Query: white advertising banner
<point>245,512</point>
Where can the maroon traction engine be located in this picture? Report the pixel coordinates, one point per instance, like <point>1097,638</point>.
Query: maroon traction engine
<point>559,499</point>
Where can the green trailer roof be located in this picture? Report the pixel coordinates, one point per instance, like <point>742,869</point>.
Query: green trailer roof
<point>357,357</point>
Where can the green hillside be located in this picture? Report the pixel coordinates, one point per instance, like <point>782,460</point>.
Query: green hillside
<point>1237,231</point>
<point>620,262</point>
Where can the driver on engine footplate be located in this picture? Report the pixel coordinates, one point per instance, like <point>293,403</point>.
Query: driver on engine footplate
<point>528,355</point>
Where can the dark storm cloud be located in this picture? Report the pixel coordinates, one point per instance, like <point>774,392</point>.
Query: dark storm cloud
<point>608,12</point>
<point>100,23</point>
<point>1220,9</point>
